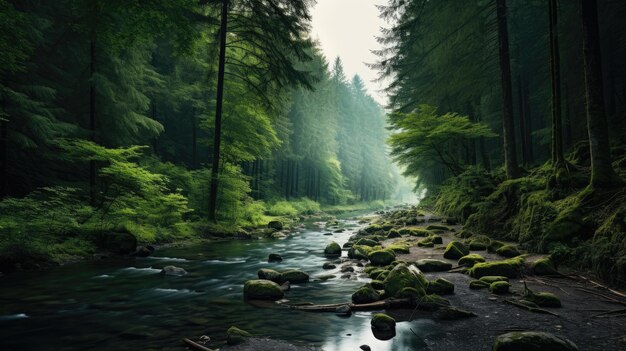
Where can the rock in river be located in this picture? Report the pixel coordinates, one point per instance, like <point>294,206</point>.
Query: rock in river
<point>269,274</point>
<point>383,322</point>
<point>173,270</point>
<point>294,276</point>
<point>532,341</point>
<point>260,289</point>
<point>332,249</point>
<point>273,257</point>
<point>235,336</point>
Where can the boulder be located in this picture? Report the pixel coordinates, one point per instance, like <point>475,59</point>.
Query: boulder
<point>543,299</point>
<point>477,246</point>
<point>173,270</point>
<point>235,336</point>
<point>366,242</point>
<point>332,249</point>
<point>532,341</point>
<point>455,250</point>
<point>359,252</point>
<point>393,234</point>
<point>274,257</point>
<point>383,322</point>
<point>377,285</point>
<point>381,257</point>
<point>269,274</point>
<point>493,278</point>
<point>509,268</point>
<point>508,251</point>
<point>261,289</point>
<point>470,260</point>
<point>440,286</point>
<point>427,242</point>
<point>494,245</point>
<point>399,248</point>
<point>431,302</point>
<point>403,276</point>
<point>478,284</point>
<point>432,265</point>
<point>365,294</point>
<point>436,239</point>
<point>328,265</point>
<point>543,266</point>
<point>294,276</point>
<point>500,287</point>
<point>275,225</point>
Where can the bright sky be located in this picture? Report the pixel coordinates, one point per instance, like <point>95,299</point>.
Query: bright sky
<point>347,28</point>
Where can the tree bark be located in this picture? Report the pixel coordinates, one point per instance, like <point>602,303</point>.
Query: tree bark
<point>555,68</point>
<point>4,156</point>
<point>217,137</point>
<point>602,173</point>
<point>522,121</point>
<point>92,118</point>
<point>508,126</point>
<point>194,140</point>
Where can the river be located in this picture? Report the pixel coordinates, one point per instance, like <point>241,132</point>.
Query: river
<point>126,304</point>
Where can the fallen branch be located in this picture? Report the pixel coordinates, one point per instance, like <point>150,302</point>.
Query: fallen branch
<point>531,309</point>
<point>384,304</point>
<point>618,293</point>
<point>195,346</point>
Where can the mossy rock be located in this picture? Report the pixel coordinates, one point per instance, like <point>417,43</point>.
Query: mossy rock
<point>403,276</point>
<point>410,293</point>
<point>294,276</point>
<point>428,242</point>
<point>432,265</point>
<point>493,278</point>
<point>332,249</point>
<point>499,287</point>
<point>543,266</point>
<point>381,257</point>
<point>383,322</point>
<point>431,302</point>
<point>235,336</point>
<point>508,251</point>
<point>508,268</point>
<point>440,286</point>
<point>494,245</point>
<point>532,341</point>
<point>365,294</point>
<point>470,260</point>
<point>478,284</point>
<point>376,273</point>
<point>373,228</point>
<point>369,268</point>
<point>393,234</point>
<point>455,250</point>
<point>437,227</point>
<point>543,299</point>
<point>261,289</point>
<point>275,225</point>
<point>387,226</point>
<point>359,252</point>
<point>419,232</point>
<point>477,245</point>
<point>269,274</point>
<point>377,284</point>
<point>436,239</point>
<point>366,242</point>
<point>399,248</point>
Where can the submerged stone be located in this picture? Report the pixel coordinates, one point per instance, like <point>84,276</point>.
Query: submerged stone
<point>273,257</point>
<point>173,270</point>
<point>532,341</point>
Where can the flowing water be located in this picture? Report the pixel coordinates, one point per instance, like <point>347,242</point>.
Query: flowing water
<point>125,304</point>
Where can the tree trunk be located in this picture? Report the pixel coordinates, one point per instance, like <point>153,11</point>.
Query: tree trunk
<point>217,137</point>
<point>92,118</point>
<point>194,140</point>
<point>508,126</point>
<point>529,125</point>
<point>4,156</point>
<point>522,121</point>
<point>555,68</point>
<point>602,173</point>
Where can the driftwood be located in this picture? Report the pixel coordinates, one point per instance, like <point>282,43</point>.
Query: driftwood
<point>384,304</point>
<point>195,346</point>
<point>528,308</point>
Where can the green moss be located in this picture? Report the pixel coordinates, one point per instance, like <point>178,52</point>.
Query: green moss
<point>509,268</point>
<point>532,341</point>
<point>410,293</point>
<point>399,248</point>
<point>294,276</point>
<point>377,285</point>
<point>383,322</point>
<point>500,287</point>
<point>543,266</point>
<point>432,265</point>
<point>394,233</point>
<point>381,257</point>
<point>508,251</point>
<point>543,299</point>
<point>494,245</point>
<point>478,284</point>
<point>431,302</point>
<point>373,228</point>
<point>403,276</point>
<point>375,274</point>
<point>493,278</point>
<point>262,290</point>
<point>436,239</point>
<point>440,286</point>
<point>269,274</point>
<point>455,250</point>
<point>470,260</point>
<point>359,252</point>
<point>235,336</point>
<point>366,242</point>
<point>428,242</point>
<point>437,227</point>
<point>419,232</point>
<point>365,294</point>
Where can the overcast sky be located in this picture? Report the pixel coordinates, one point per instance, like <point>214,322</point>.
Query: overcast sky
<point>347,28</point>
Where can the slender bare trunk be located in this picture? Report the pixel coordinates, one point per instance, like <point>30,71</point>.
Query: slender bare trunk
<point>555,68</point>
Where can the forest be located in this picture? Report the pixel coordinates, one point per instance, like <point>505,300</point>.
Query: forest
<point>157,157</point>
